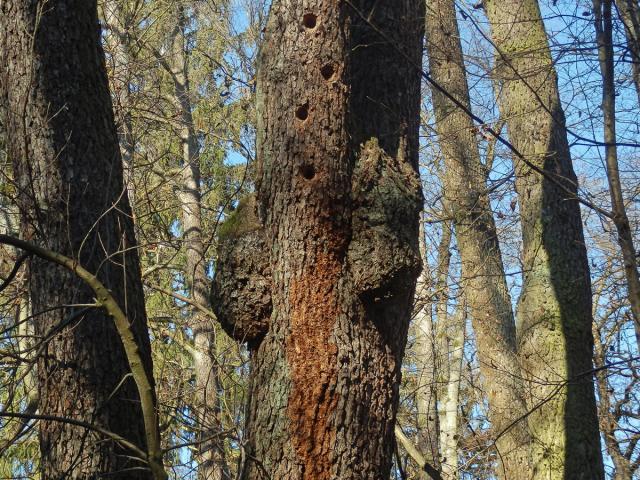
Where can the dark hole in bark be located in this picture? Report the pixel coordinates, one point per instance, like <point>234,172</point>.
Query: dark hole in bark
<point>302,112</point>
<point>328,71</point>
<point>308,171</point>
<point>309,20</point>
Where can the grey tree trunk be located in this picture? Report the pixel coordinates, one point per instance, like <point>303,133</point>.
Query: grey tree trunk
<point>118,39</point>
<point>211,454</point>
<point>554,309</point>
<point>484,281</point>
<point>604,35</point>
<point>68,170</point>
<point>428,351</point>
<point>449,424</point>
<point>338,196</point>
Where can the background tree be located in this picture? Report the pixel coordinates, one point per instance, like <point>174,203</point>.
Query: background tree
<point>485,285</point>
<point>221,42</point>
<point>554,308</point>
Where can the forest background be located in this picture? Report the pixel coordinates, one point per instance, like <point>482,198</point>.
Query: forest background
<point>182,78</point>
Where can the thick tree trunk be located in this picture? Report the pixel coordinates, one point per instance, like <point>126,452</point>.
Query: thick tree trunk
<point>484,280</point>
<point>339,197</point>
<point>68,170</point>
<point>629,12</point>
<point>554,309</point>
<point>604,35</point>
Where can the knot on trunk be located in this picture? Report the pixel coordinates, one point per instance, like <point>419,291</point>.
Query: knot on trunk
<point>386,200</point>
<point>241,291</point>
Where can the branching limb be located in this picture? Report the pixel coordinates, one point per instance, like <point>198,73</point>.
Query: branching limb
<point>108,302</point>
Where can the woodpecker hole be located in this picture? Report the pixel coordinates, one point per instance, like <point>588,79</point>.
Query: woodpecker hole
<point>309,20</point>
<point>302,112</point>
<point>308,171</point>
<point>328,71</point>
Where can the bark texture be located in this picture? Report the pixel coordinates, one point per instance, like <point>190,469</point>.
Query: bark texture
<point>338,197</point>
<point>484,279</point>
<point>68,169</point>
<point>629,12</point>
<point>554,309</point>
<point>241,294</point>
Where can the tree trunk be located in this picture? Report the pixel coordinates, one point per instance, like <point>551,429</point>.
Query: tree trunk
<point>554,309</point>
<point>484,281</point>
<point>338,196</point>
<point>604,36</point>
<point>119,43</point>
<point>68,170</point>
<point>426,349</point>
<point>210,449</point>
<point>629,12</point>
<point>449,425</point>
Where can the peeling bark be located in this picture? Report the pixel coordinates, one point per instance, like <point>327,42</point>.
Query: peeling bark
<point>338,199</point>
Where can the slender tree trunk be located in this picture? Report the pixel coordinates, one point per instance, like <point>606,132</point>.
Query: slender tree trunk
<point>339,197</point>
<point>554,309</point>
<point>427,352</point>
<point>608,422</point>
<point>449,425</point>
<point>629,12</point>
<point>119,42</point>
<point>484,280</point>
<point>604,35</point>
<point>211,455</point>
<point>68,171</point>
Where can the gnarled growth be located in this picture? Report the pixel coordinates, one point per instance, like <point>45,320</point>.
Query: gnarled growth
<point>241,293</point>
<point>338,197</point>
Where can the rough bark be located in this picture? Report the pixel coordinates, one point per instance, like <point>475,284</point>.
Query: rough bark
<point>241,293</point>
<point>629,12</point>
<point>554,309</point>
<point>604,35</point>
<point>68,170</point>
<point>338,197</point>
<point>484,279</point>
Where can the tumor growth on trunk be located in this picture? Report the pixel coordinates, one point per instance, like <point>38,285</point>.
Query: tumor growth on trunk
<point>319,239</point>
